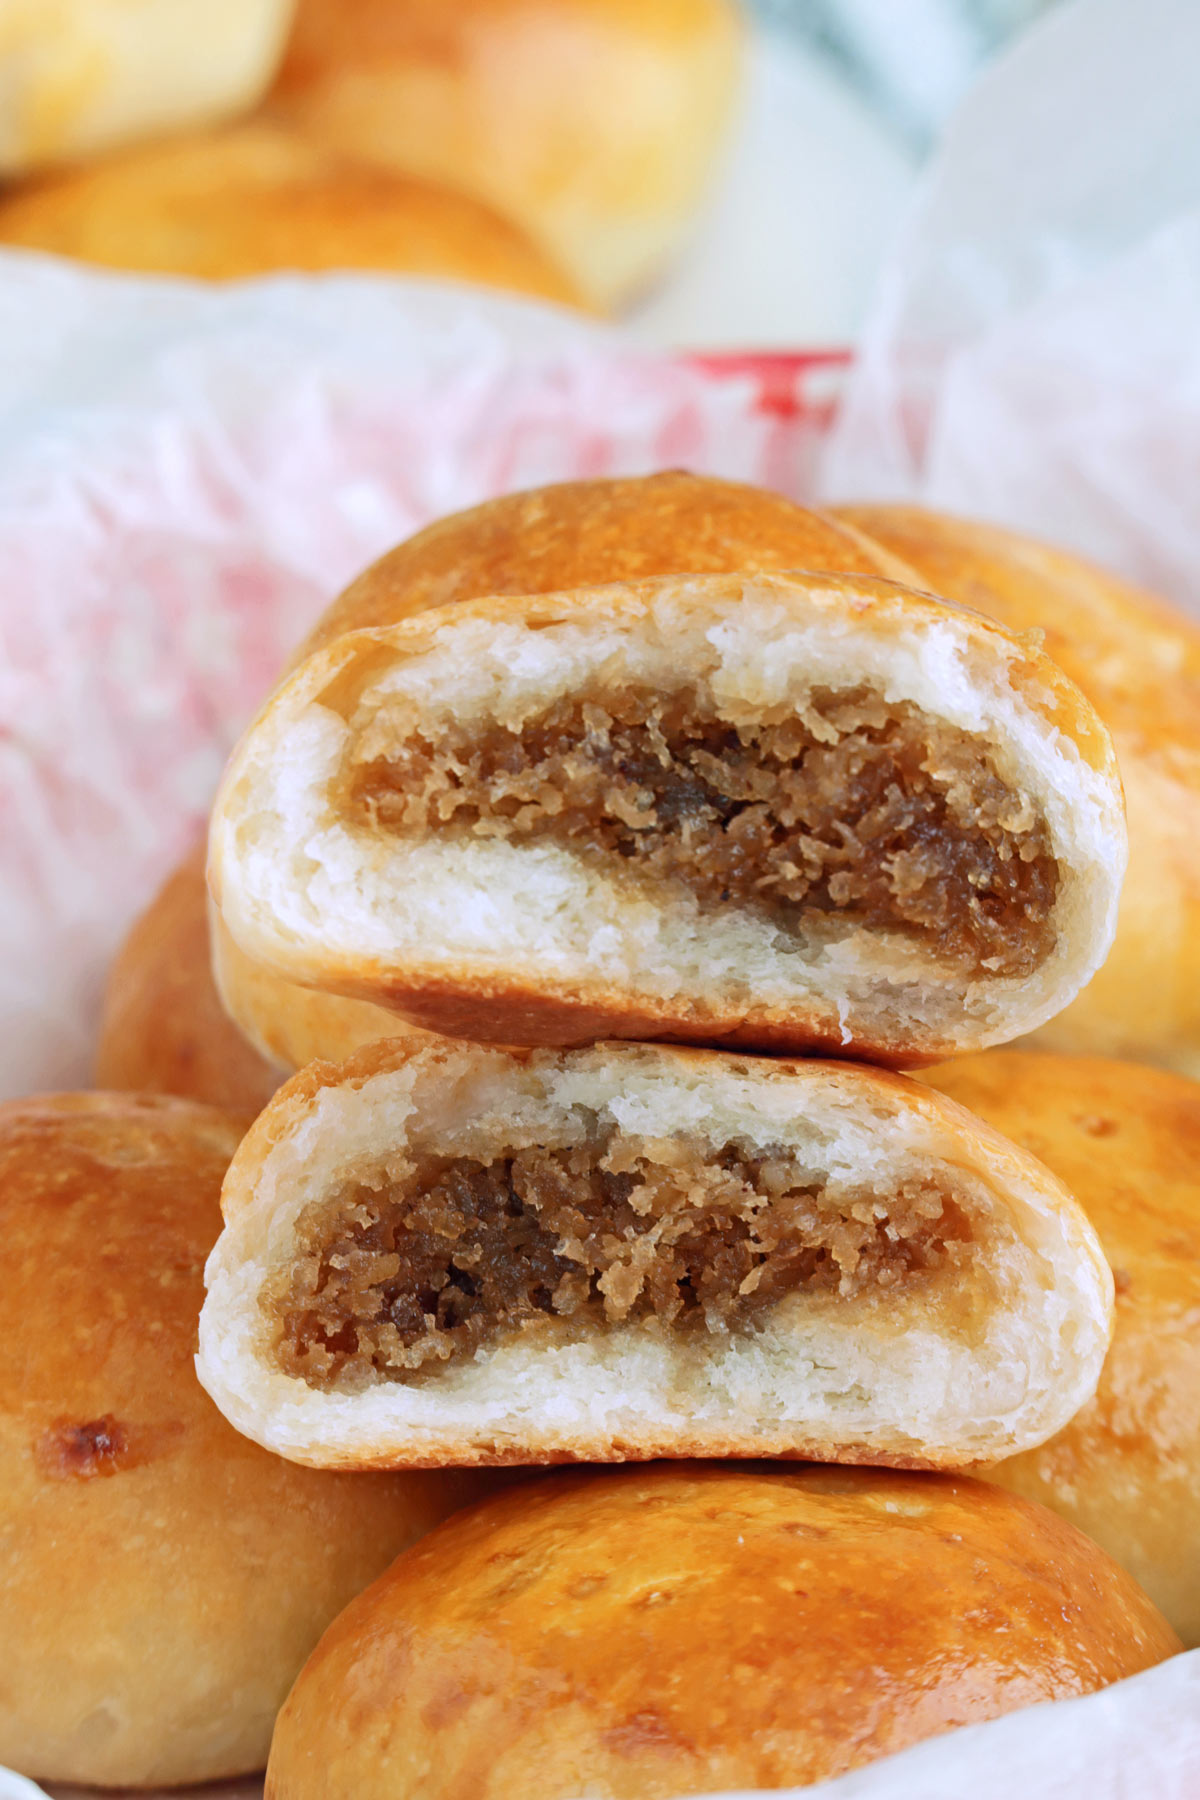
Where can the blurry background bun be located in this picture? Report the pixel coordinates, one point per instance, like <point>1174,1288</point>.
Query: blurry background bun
<point>593,123</point>
<point>1138,661</point>
<point>78,76</point>
<point>258,198</point>
<point>163,1029</point>
<point>161,1579</point>
<point>1126,1141</point>
<point>688,1628</point>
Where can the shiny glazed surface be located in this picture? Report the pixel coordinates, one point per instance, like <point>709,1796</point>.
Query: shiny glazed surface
<point>682,1629</point>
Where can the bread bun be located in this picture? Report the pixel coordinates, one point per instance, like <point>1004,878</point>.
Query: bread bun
<point>442,1253</point>
<point>1126,1141</point>
<point>84,75</point>
<point>562,536</point>
<point>1138,662</point>
<point>163,1028</point>
<point>678,1630</point>
<point>593,123</point>
<point>788,812</point>
<point>255,199</point>
<point>163,1578</point>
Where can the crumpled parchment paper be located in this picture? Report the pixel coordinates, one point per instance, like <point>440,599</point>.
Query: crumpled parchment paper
<point>188,475</point>
<point>1034,353</point>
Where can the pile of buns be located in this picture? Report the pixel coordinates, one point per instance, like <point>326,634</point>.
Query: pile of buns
<point>601,863</point>
<point>555,150</point>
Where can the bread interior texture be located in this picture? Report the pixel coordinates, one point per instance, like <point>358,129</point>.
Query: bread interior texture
<point>858,811</point>
<point>425,1260</point>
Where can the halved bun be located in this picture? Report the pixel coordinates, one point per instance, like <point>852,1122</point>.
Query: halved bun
<point>646,1633</point>
<point>568,534</point>
<point>791,812</point>
<point>445,1253</point>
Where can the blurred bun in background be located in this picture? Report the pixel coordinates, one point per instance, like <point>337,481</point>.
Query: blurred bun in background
<point>77,76</point>
<point>257,198</point>
<point>163,1029</point>
<point>593,123</point>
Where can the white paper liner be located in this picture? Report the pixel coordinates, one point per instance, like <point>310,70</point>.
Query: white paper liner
<point>1034,356</point>
<point>1139,1740</point>
<point>188,475</point>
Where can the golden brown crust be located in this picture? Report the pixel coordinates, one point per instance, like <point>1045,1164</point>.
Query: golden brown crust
<point>166,1577</point>
<point>1126,1141</point>
<point>513,101</point>
<point>523,1005</point>
<point>588,533</point>
<point>257,198</point>
<point>1138,662</point>
<point>163,1029</point>
<point>699,1628</point>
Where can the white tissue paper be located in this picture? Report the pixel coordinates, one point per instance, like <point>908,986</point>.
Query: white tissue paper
<point>1139,1740</point>
<point>188,475</point>
<point>15,1787</point>
<point>1034,354</point>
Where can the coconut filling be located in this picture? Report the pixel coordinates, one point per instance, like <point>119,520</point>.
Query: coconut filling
<point>434,1258</point>
<point>862,810</point>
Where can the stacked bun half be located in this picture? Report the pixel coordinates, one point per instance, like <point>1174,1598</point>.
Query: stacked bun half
<point>599,882</point>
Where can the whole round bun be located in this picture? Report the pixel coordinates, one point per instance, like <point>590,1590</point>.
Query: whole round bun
<point>569,534</point>
<point>1138,661</point>
<point>593,123</point>
<point>258,198</point>
<point>164,1579</point>
<point>163,1029</point>
<point>698,1627</point>
<point>1126,1141</point>
<point>83,75</point>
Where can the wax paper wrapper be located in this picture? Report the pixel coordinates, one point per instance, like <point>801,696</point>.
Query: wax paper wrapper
<point>1034,354</point>
<point>188,475</point>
